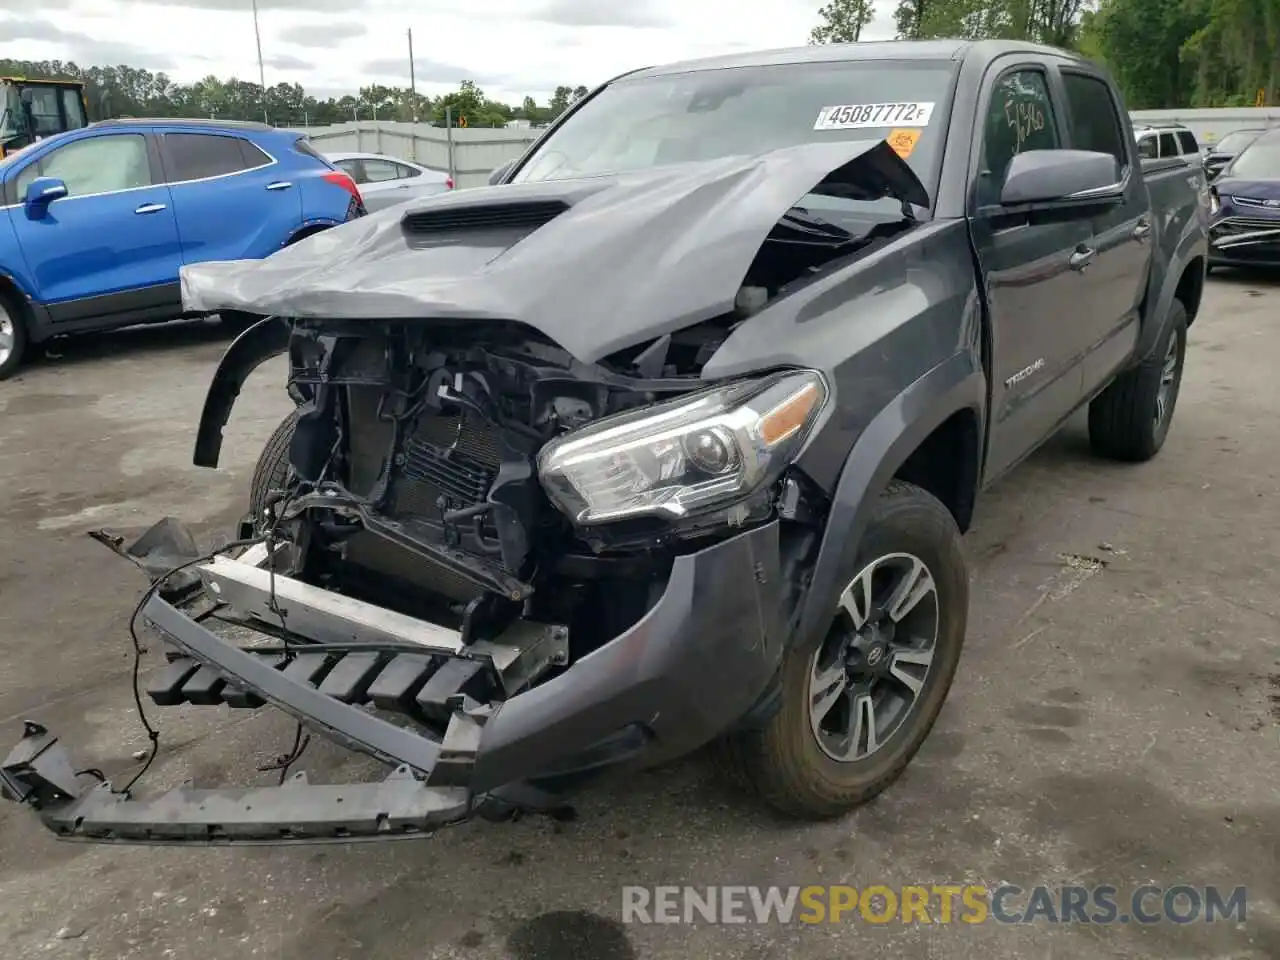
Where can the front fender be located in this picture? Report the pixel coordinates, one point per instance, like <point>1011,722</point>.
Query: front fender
<point>881,449</point>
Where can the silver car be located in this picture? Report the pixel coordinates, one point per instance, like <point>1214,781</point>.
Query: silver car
<point>385,181</point>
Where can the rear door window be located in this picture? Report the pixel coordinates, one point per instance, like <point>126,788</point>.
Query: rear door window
<point>1168,145</point>
<point>1094,118</point>
<point>199,156</point>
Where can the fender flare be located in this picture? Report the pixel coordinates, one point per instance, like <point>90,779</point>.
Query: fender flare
<point>265,339</point>
<point>880,450</point>
<point>1192,246</point>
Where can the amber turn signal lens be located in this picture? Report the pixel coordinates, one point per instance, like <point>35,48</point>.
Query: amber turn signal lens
<point>790,415</point>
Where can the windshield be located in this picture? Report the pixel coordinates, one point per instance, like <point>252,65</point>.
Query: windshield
<point>1261,159</point>
<point>746,111</point>
<point>1233,142</point>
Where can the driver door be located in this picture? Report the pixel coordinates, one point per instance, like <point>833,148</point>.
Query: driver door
<point>1030,264</point>
<point>113,235</point>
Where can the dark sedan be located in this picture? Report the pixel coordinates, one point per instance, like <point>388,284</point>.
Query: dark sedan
<point>1244,228</point>
<point>1218,155</point>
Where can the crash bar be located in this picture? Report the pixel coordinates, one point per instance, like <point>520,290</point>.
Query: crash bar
<point>316,613</point>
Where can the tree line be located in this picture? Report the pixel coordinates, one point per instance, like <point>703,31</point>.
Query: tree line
<point>1163,53</point>
<point>125,91</point>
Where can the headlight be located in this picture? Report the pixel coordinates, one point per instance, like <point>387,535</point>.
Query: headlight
<point>674,458</point>
<point>1214,205</point>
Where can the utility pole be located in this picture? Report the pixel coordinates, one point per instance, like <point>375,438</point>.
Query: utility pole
<point>413,103</point>
<point>262,76</point>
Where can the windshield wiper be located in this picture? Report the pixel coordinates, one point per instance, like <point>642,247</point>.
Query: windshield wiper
<point>805,227</point>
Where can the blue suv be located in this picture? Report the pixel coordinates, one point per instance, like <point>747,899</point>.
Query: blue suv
<point>96,222</point>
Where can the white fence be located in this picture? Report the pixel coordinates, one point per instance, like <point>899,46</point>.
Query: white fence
<point>472,154</point>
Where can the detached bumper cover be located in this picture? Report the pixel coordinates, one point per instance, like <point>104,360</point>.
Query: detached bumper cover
<point>687,671</point>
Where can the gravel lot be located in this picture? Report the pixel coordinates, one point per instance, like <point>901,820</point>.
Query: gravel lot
<point>1112,723</point>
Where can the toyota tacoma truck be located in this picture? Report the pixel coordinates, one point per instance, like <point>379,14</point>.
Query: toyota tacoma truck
<point>665,439</point>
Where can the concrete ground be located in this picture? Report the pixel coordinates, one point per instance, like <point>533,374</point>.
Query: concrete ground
<point>1115,720</point>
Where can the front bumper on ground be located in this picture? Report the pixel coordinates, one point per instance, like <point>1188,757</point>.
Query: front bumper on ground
<point>699,660</point>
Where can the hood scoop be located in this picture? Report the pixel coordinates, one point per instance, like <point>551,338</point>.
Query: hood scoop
<point>526,215</point>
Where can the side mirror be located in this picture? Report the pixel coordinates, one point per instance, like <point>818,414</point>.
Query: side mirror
<point>41,192</point>
<point>1038,176</point>
<point>500,173</point>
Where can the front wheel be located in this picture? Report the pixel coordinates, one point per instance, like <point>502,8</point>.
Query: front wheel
<point>272,470</point>
<point>855,711</point>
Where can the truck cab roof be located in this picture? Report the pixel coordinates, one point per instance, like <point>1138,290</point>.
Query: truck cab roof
<point>956,50</point>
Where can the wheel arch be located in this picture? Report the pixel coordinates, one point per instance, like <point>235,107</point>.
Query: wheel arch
<point>308,230</point>
<point>1190,287</point>
<point>29,314</point>
<point>939,416</point>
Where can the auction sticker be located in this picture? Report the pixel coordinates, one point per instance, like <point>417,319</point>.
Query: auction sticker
<point>903,141</point>
<point>855,116</point>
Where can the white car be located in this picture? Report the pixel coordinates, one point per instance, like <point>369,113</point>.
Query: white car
<point>385,181</point>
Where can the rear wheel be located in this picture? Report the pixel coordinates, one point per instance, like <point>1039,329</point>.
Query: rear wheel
<point>855,711</point>
<point>1130,419</point>
<point>13,336</point>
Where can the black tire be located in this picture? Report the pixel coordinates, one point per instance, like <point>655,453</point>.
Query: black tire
<point>783,761</point>
<point>1129,421</point>
<point>13,335</point>
<point>272,470</point>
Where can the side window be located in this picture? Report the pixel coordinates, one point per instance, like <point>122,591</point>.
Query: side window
<point>198,156</point>
<point>351,168</point>
<point>376,171</point>
<point>72,108</point>
<point>41,106</point>
<point>1095,125</point>
<point>1019,118</point>
<point>1147,148</point>
<point>96,165</point>
<point>1168,145</point>
<point>1187,140</point>
<point>404,172</point>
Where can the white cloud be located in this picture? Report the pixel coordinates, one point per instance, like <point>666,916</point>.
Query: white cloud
<point>510,47</point>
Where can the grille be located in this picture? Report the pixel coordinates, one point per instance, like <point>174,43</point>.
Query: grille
<point>1246,224</point>
<point>492,216</point>
<point>1254,202</point>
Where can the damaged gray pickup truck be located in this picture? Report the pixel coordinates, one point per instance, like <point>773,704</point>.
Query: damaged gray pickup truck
<point>666,438</point>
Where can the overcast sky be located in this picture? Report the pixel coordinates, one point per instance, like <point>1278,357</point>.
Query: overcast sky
<point>332,47</point>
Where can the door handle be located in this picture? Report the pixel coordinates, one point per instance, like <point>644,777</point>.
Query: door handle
<point>1142,230</point>
<point>279,185</point>
<point>150,208</point>
<point>1082,257</point>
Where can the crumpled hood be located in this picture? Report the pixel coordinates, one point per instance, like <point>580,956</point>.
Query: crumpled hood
<point>621,258</point>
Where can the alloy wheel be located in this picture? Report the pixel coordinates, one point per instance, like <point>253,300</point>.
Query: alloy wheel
<point>1168,381</point>
<point>870,672</point>
<point>8,335</point>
